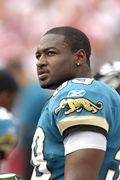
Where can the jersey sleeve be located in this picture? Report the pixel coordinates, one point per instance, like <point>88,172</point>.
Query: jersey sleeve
<point>81,105</point>
<point>95,141</point>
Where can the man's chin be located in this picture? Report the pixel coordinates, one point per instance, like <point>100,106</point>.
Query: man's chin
<point>47,85</point>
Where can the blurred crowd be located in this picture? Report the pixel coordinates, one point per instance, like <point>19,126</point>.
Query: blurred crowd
<point>22,23</point>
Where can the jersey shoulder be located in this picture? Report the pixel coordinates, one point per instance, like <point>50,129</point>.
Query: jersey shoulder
<point>73,87</point>
<point>83,98</point>
<point>9,130</point>
<point>8,122</point>
<point>85,87</point>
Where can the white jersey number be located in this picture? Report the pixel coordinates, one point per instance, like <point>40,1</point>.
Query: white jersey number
<point>40,171</point>
<point>85,81</point>
<point>111,172</point>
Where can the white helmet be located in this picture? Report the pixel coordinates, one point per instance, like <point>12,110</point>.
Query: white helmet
<point>110,74</point>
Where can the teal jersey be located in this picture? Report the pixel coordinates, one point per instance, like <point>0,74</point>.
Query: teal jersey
<point>9,130</point>
<point>81,104</point>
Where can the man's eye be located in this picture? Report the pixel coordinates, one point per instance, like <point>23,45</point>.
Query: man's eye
<point>38,56</point>
<point>51,53</point>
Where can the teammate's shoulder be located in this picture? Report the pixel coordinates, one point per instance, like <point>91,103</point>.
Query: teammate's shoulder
<point>8,122</point>
<point>4,114</point>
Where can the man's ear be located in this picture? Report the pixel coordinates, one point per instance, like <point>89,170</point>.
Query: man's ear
<point>80,57</point>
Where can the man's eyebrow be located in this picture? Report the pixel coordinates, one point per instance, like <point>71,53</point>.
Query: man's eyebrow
<point>46,49</point>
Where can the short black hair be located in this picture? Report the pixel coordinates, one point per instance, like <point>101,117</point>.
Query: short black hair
<point>7,81</point>
<point>74,38</point>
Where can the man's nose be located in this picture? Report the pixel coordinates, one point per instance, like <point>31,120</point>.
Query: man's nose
<point>42,60</point>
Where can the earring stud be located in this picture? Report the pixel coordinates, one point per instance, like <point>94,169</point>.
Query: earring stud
<point>78,64</point>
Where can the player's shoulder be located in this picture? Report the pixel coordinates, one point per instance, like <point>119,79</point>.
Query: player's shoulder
<point>8,122</point>
<point>74,84</point>
<point>9,131</point>
<point>79,86</point>
<point>4,114</point>
<point>74,88</point>
<point>107,91</point>
<point>84,87</point>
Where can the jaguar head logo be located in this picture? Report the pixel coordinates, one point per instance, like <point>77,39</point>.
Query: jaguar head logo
<point>62,105</point>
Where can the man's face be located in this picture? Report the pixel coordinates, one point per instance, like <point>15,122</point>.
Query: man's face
<point>7,99</point>
<point>10,100</point>
<point>55,61</point>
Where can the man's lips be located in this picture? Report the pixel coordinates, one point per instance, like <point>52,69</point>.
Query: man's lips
<point>42,74</point>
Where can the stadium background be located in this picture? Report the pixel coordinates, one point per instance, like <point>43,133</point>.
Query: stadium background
<point>22,23</point>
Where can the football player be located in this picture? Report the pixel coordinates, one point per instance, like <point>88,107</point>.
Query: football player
<point>78,133</point>
<point>9,127</point>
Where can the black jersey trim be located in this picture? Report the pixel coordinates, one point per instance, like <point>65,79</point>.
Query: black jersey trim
<point>84,128</point>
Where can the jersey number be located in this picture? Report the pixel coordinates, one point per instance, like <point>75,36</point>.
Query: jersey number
<point>40,171</point>
<point>111,173</point>
<point>86,81</point>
